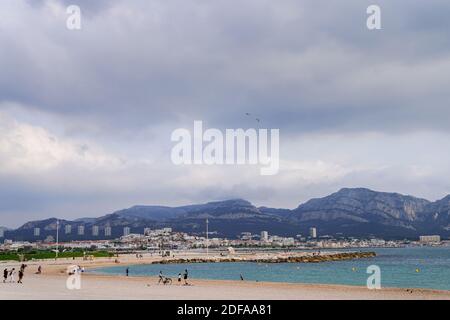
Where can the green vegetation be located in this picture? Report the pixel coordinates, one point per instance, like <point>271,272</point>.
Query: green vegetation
<point>47,254</point>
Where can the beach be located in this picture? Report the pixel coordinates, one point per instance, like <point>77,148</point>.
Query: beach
<point>51,284</point>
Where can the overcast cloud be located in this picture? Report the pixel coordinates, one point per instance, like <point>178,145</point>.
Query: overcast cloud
<point>86,115</point>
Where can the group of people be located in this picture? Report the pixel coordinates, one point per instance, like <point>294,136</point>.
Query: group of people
<point>75,269</point>
<point>166,280</point>
<point>10,275</point>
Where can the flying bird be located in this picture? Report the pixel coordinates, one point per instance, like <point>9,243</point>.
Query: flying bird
<point>249,114</point>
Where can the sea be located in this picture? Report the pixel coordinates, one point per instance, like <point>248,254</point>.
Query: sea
<point>410,267</point>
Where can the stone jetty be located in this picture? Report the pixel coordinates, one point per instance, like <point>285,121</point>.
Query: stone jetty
<point>301,257</point>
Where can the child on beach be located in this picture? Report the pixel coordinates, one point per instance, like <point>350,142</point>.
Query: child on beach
<point>179,278</point>
<point>39,270</point>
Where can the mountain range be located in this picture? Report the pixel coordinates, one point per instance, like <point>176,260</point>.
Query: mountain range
<point>350,212</point>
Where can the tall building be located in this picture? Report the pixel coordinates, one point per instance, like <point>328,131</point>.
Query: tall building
<point>430,239</point>
<point>264,236</point>
<point>313,232</point>
<point>80,230</point>
<point>95,231</point>
<point>37,232</point>
<point>126,231</point>
<point>68,229</point>
<point>246,236</point>
<point>107,231</point>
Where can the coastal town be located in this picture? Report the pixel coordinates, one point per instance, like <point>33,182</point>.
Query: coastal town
<point>166,240</point>
<point>51,266</point>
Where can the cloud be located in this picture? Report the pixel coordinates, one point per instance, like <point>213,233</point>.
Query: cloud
<point>30,149</point>
<point>86,116</point>
<point>151,61</point>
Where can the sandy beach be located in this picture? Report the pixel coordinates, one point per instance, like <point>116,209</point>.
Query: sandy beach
<point>51,284</point>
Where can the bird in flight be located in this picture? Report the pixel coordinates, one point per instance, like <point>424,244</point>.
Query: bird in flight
<point>257,119</point>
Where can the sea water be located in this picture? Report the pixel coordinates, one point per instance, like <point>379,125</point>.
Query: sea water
<point>412,267</point>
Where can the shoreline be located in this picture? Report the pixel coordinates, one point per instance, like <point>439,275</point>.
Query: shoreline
<point>108,287</point>
<point>192,257</point>
<point>52,285</point>
<point>268,283</point>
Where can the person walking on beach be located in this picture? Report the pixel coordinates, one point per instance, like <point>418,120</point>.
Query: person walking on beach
<point>127,271</point>
<point>161,277</point>
<point>5,275</point>
<point>12,274</point>
<point>185,276</point>
<point>20,275</point>
<point>242,278</point>
<point>179,278</point>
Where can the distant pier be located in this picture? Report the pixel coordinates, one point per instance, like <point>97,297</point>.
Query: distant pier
<point>304,257</point>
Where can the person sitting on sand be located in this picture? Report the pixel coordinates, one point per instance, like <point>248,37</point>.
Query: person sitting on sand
<point>5,275</point>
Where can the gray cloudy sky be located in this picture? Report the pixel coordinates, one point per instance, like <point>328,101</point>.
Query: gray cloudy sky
<point>86,115</point>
